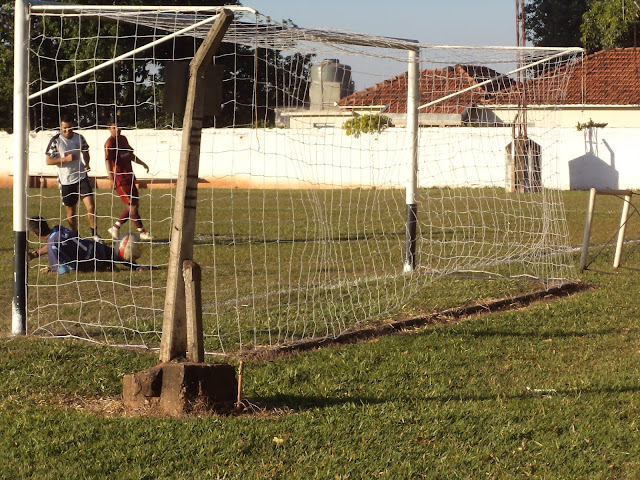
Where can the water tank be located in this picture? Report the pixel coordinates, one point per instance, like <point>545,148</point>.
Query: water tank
<point>330,81</point>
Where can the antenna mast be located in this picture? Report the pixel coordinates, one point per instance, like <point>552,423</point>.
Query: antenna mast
<point>522,76</point>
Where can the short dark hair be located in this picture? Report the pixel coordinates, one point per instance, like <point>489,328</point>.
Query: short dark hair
<point>66,118</point>
<point>39,226</point>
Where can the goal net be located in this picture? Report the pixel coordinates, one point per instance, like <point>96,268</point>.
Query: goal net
<point>330,162</point>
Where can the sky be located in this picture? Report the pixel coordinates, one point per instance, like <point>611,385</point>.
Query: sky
<point>439,22</point>
<point>443,22</point>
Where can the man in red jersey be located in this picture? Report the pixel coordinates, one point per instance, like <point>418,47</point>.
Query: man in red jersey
<point>119,158</point>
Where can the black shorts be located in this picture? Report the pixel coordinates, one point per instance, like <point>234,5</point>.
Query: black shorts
<point>70,193</point>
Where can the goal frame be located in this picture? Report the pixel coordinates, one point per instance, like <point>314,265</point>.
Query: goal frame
<point>408,159</point>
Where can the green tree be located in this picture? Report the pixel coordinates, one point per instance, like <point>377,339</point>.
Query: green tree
<point>609,24</point>
<point>6,66</point>
<point>593,24</point>
<point>129,88</point>
<point>554,23</point>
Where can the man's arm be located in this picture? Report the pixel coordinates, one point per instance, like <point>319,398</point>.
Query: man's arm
<point>59,160</point>
<point>52,153</point>
<point>86,158</point>
<point>37,253</point>
<point>140,162</point>
<point>109,163</point>
<point>84,149</point>
<point>108,160</point>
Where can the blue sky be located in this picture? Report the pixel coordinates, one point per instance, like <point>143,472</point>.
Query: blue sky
<point>435,22</point>
<point>443,22</point>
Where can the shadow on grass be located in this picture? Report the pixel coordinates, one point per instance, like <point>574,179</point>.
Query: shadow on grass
<point>300,403</point>
<point>309,402</point>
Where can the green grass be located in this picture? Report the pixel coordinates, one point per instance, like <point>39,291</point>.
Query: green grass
<point>550,391</point>
<point>288,265</point>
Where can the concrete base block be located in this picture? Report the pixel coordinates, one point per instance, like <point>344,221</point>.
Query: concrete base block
<point>181,387</point>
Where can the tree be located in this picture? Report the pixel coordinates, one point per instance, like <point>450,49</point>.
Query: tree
<point>250,70</point>
<point>593,24</point>
<point>610,24</point>
<point>554,23</point>
<point>6,66</point>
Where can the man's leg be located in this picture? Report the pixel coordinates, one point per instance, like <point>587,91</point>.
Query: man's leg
<point>70,194</point>
<point>134,215</point>
<point>71,217</point>
<point>90,203</point>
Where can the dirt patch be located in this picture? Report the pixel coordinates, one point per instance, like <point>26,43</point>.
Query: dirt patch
<point>114,407</point>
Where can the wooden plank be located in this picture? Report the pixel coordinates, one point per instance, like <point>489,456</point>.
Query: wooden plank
<point>174,335</point>
<point>193,299</point>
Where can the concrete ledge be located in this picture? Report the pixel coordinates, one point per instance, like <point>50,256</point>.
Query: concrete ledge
<point>177,388</point>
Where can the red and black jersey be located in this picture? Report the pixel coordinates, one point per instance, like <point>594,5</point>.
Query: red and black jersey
<point>118,151</point>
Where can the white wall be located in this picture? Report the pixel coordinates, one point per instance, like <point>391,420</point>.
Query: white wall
<point>287,158</point>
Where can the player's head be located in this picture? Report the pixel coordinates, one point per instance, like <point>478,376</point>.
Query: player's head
<point>66,125</point>
<point>113,127</point>
<point>39,227</point>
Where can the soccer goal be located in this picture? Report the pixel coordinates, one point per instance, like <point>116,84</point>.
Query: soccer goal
<point>345,179</point>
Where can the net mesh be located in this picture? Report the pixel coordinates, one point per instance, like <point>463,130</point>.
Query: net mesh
<point>304,159</point>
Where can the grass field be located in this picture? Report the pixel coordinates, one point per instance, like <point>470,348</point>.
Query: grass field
<point>549,391</point>
<point>281,266</point>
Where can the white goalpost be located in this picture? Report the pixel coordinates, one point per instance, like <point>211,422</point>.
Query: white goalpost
<point>343,178</point>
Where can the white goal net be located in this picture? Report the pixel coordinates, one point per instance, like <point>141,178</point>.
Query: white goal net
<point>310,142</point>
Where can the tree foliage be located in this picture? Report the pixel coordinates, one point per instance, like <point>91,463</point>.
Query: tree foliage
<point>6,66</point>
<point>592,24</point>
<point>610,24</point>
<point>554,23</point>
<point>129,88</point>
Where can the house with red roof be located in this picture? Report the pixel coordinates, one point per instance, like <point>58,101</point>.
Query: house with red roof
<point>449,96</point>
<point>389,97</point>
<point>603,87</point>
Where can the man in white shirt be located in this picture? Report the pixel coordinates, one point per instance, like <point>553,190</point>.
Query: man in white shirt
<point>69,151</point>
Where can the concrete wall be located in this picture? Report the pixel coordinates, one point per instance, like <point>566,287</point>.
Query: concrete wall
<point>615,116</point>
<point>318,158</point>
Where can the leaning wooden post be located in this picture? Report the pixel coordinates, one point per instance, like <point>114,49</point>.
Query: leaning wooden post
<point>174,331</point>
<point>623,226</point>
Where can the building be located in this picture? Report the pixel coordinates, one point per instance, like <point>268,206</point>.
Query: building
<point>439,90</point>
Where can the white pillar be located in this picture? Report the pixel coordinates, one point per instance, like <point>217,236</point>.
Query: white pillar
<point>413,100</point>
<point>20,168</point>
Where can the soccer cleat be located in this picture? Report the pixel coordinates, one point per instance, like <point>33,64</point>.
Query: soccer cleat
<point>145,236</point>
<point>97,238</point>
<point>114,232</point>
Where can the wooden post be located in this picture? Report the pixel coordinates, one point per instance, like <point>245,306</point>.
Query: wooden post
<point>193,298</point>
<point>589,220</point>
<point>174,335</point>
<point>623,225</point>
<point>240,374</point>
<point>587,230</point>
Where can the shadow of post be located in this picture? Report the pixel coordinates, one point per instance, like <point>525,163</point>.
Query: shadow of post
<point>589,170</point>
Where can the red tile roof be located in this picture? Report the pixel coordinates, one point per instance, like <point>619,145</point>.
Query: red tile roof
<point>434,84</point>
<point>608,77</point>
